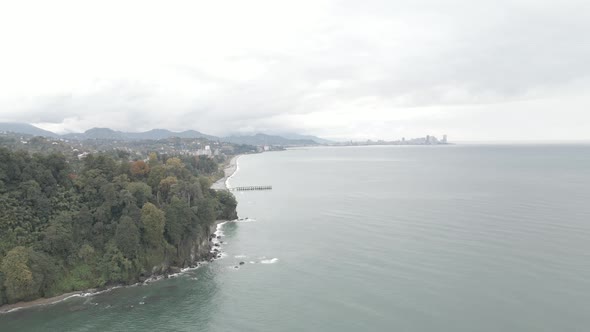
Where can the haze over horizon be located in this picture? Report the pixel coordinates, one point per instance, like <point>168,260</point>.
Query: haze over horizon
<point>474,70</point>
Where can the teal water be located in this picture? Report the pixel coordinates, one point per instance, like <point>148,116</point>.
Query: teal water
<point>444,238</point>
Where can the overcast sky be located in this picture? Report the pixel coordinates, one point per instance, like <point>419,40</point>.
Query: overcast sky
<point>475,70</point>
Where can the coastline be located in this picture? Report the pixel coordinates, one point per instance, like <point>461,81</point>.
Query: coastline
<point>230,169</point>
<point>7,308</point>
<point>215,229</point>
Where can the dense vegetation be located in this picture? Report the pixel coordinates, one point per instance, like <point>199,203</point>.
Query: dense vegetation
<point>67,225</point>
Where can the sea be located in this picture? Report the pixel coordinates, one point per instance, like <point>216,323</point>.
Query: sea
<point>377,238</point>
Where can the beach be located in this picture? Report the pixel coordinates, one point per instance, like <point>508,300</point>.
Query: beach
<point>230,169</point>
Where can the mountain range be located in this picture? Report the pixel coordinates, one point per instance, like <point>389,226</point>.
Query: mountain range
<point>156,134</point>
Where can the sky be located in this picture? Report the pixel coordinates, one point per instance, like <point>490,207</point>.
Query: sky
<point>371,69</point>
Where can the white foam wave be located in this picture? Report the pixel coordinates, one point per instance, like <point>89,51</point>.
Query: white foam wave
<point>187,269</point>
<point>269,261</point>
<point>86,294</point>
<point>244,220</point>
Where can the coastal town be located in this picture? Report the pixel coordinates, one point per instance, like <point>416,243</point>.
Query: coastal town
<point>189,143</point>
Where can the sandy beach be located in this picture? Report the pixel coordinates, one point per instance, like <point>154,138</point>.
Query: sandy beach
<point>229,170</point>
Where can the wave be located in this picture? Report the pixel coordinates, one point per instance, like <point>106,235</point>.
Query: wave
<point>243,220</point>
<point>269,261</point>
<point>62,298</point>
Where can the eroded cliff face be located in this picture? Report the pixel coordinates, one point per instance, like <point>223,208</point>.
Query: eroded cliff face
<point>199,249</point>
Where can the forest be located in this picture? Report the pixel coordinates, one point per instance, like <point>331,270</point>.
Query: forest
<point>68,225</point>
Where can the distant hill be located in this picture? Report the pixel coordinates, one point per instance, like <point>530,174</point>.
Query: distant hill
<point>316,139</point>
<point>263,139</point>
<point>154,134</point>
<point>25,128</point>
<point>157,134</point>
<point>97,133</point>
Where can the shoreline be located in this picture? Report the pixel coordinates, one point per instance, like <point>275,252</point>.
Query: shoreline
<point>215,230</point>
<point>8,308</point>
<point>230,169</point>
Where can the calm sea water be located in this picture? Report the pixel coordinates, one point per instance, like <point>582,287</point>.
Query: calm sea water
<point>446,238</point>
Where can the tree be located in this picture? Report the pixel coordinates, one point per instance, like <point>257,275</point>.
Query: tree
<point>167,184</point>
<point>127,237</point>
<point>115,267</point>
<point>157,174</point>
<point>153,159</point>
<point>18,277</point>
<point>153,221</point>
<point>227,205</point>
<point>57,238</point>
<point>178,217</point>
<point>141,191</point>
<point>188,191</point>
<point>206,211</point>
<point>139,169</point>
<point>46,272</point>
<point>69,224</point>
<point>86,253</point>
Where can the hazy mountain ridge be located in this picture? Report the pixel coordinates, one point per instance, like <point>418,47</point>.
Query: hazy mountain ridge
<point>316,139</point>
<point>25,128</point>
<point>157,134</point>
<point>263,139</point>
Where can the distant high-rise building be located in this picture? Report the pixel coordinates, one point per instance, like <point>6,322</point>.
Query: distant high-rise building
<point>444,140</point>
<point>427,139</point>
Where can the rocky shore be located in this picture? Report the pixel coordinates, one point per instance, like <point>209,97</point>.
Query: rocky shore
<point>203,252</point>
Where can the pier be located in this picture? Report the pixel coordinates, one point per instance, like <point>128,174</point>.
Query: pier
<point>250,188</point>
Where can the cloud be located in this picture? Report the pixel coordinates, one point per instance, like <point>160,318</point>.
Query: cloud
<point>335,68</point>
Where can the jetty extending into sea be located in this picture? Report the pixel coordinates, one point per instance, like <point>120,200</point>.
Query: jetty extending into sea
<point>250,188</point>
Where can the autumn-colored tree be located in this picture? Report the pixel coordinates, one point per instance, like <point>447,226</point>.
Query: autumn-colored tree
<point>139,169</point>
<point>174,162</point>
